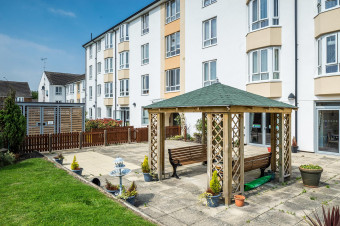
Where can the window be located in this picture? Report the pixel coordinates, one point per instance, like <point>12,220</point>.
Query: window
<point>145,117</point>
<point>145,54</point>
<point>90,72</point>
<point>124,32</point>
<point>263,13</point>
<point>47,93</point>
<point>173,44</point>
<point>172,82</point>
<point>125,114</point>
<point>58,90</point>
<point>99,90</point>
<point>331,54</point>
<point>90,52</point>
<point>108,65</point>
<point>209,72</point>
<point>264,64</point>
<point>72,88</point>
<point>208,2</point>
<point>99,46</point>
<point>108,40</point>
<point>124,87</point>
<point>67,89</point>
<point>145,84</point>
<point>99,67</point>
<point>172,10</point>
<point>145,24</point>
<point>108,89</point>
<point>319,57</point>
<point>90,113</point>
<point>209,32</point>
<point>328,54</point>
<point>20,99</point>
<point>331,4</point>
<point>78,87</point>
<point>90,92</point>
<point>124,60</point>
<point>83,85</point>
<point>109,112</point>
<point>276,12</point>
<point>99,113</point>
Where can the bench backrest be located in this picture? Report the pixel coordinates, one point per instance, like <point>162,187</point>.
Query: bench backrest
<point>188,153</point>
<point>257,162</point>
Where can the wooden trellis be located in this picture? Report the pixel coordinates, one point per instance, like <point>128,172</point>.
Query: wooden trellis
<point>153,142</point>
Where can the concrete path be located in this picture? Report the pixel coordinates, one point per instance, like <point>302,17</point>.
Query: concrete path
<point>175,201</point>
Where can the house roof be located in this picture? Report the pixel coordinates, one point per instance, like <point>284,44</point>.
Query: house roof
<point>217,95</point>
<point>77,79</point>
<point>58,78</point>
<point>22,89</point>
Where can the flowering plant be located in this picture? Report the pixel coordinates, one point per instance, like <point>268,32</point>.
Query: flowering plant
<point>106,123</point>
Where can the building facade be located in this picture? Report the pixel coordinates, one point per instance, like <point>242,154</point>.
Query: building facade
<point>287,50</point>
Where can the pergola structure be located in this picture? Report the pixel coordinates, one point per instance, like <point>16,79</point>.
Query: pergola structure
<point>223,107</point>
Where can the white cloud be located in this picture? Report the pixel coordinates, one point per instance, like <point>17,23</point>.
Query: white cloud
<point>62,12</point>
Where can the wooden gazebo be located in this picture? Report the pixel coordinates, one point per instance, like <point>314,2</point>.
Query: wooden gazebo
<point>223,107</point>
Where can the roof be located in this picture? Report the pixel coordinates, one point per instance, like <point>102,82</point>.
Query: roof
<point>22,89</point>
<point>77,79</point>
<point>58,78</point>
<point>217,95</point>
<point>123,21</point>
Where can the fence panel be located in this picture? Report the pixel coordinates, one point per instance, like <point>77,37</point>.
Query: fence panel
<point>93,139</point>
<point>117,136</point>
<point>142,134</point>
<point>35,143</point>
<point>171,131</point>
<point>62,141</point>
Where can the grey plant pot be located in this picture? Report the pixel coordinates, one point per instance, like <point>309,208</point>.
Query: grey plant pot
<point>113,192</point>
<point>131,200</point>
<point>311,177</point>
<point>147,177</point>
<point>295,149</point>
<point>213,201</point>
<point>79,172</point>
<point>60,161</point>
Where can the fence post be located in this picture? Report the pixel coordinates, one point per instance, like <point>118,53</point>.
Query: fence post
<point>129,135</point>
<point>185,133</point>
<point>80,140</point>
<point>50,142</point>
<point>105,137</point>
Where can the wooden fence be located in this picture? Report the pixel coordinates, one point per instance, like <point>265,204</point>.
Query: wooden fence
<point>61,141</point>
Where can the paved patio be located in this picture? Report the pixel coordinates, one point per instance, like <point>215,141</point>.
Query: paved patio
<point>175,201</point>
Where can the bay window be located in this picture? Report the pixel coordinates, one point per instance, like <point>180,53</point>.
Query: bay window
<point>209,72</point>
<point>124,60</point>
<point>173,44</point>
<point>145,24</point>
<point>124,87</point>
<point>108,89</point>
<point>172,81</point>
<point>145,84</point>
<point>124,33</point>
<point>172,10</point>
<point>108,65</point>
<point>208,2</point>
<point>108,40</point>
<point>264,64</point>
<point>328,54</point>
<point>145,53</point>
<point>210,32</point>
<point>263,13</point>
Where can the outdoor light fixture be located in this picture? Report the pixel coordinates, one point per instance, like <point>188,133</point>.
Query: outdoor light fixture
<point>291,96</point>
<point>134,104</point>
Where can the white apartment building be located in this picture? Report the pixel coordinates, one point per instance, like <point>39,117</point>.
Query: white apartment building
<point>61,87</point>
<point>287,50</point>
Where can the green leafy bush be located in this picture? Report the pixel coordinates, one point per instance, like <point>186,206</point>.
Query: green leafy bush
<point>59,156</point>
<point>6,158</point>
<point>215,184</point>
<point>75,164</point>
<point>102,124</point>
<point>132,191</point>
<point>311,166</point>
<point>145,165</point>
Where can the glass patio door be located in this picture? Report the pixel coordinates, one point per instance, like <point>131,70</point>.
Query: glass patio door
<point>328,131</point>
<point>259,131</point>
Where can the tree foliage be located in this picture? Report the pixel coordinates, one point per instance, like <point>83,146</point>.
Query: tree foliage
<point>145,165</point>
<point>215,184</point>
<point>34,95</point>
<point>12,124</point>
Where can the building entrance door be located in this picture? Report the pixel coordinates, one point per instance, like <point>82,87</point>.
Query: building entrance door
<point>328,130</point>
<point>259,131</point>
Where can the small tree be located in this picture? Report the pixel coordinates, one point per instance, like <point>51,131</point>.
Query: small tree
<point>145,165</point>
<point>75,164</point>
<point>12,124</point>
<point>215,184</point>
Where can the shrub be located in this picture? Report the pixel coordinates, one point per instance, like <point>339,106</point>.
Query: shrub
<point>110,186</point>
<point>215,184</point>
<point>6,158</point>
<point>332,217</point>
<point>12,124</point>
<point>145,165</point>
<point>310,166</point>
<point>59,156</point>
<point>75,164</point>
<point>102,124</point>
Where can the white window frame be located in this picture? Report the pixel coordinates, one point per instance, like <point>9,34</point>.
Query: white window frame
<point>177,80</point>
<point>108,65</point>
<point>109,112</point>
<point>99,45</point>
<point>99,90</point>
<point>124,33</point>
<point>209,81</point>
<point>90,93</point>
<point>83,85</point>
<point>145,117</point>
<point>99,112</point>
<point>124,60</point>
<point>108,40</point>
<point>321,6</point>
<point>322,66</point>
<point>145,23</point>
<point>71,88</point>
<point>99,68</point>
<point>90,72</point>
<point>209,41</point>
<point>58,90</point>
<point>145,85</point>
<point>145,52</point>
<point>124,87</point>
<point>271,20</point>
<point>108,89</point>
<point>173,44</point>
<point>90,50</point>
<point>206,3</point>
<point>173,11</point>
<point>90,113</point>
<point>20,99</point>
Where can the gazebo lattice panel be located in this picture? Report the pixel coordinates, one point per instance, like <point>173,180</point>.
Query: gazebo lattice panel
<point>286,144</point>
<point>276,128</point>
<point>217,145</point>
<point>153,146</point>
<point>236,152</point>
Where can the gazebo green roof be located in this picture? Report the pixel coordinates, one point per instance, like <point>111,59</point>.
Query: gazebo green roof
<point>217,95</point>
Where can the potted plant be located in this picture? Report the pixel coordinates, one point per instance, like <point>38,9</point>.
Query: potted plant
<point>130,194</point>
<point>59,158</point>
<point>239,200</point>
<point>113,189</point>
<point>75,167</point>
<point>311,175</point>
<point>213,193</point>
<point>146,170</point>
<point>295,147</point>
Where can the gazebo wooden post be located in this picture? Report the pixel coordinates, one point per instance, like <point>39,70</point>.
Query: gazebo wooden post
<point>281,147</point>
<point>242,152</point>
<point>273,135</point>
<point>209,148</point>
<point>290,144</point>
<point>160,144</point>
<point>149,139</point>
<point>227,158</point>
<point>203,129</point>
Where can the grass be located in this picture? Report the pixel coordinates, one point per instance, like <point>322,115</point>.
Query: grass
<point>34,192</point>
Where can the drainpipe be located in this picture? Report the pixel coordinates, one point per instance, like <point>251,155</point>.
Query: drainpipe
<point>115,95</point>
<point>296,68</point>
<point>95,85</point>
<point>86,102</point>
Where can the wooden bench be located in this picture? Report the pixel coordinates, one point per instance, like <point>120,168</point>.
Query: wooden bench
<point>261,162</point>
<point>186,156</point>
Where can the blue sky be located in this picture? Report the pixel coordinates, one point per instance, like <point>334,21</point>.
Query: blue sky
<point>55,29</point>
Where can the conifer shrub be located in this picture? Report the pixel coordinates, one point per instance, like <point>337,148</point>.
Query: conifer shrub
<point>215,184</point>
<point>145,165</point>
<point>75,164</point>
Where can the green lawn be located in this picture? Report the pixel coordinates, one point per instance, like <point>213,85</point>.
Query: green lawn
<point>35,192</point>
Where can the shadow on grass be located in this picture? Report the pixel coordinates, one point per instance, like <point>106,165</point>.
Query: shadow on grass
<point>22,164</point>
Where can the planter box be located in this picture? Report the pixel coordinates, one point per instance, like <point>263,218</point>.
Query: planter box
<point>213,201</point>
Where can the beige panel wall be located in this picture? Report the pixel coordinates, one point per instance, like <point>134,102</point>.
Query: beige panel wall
<point>108,101</point>
<point>122,74</point>
<point>172,62</point>
<point>123,46</point>
<point>174,26</point>
<point>108,53</point>
<point>162,53</point>
<point>266,89</point>
<point>327,85</point>
<point>264,38</point>
<point>123,100</point>
<point>108,77</point>
<point>327,22</point>
<point>171,95</point>
<point>182,43</point>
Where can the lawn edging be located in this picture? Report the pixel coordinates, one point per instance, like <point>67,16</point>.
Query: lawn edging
<point>101,190</point>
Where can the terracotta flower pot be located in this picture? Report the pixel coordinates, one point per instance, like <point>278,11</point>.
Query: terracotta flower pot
<point>239,200</point>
